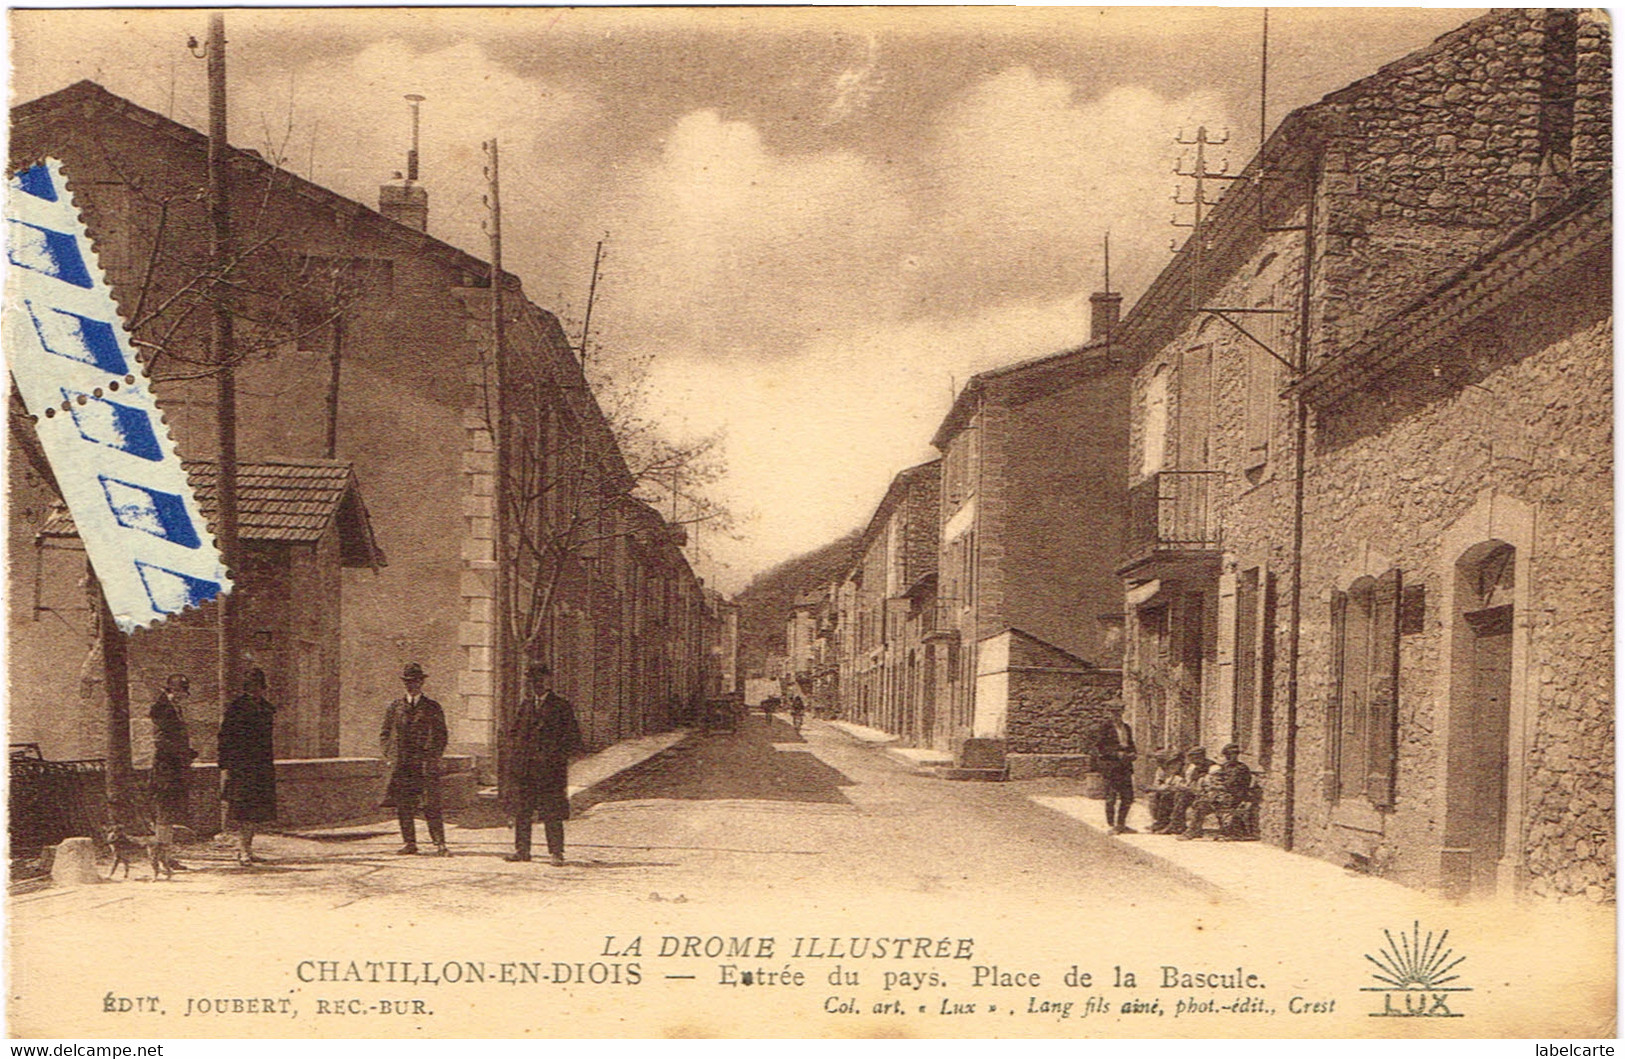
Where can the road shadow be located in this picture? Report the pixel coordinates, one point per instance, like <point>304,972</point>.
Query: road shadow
<point>739,765</point>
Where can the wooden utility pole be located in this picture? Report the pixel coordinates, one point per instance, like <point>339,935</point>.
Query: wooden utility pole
<point>222,354</point>
<point>502,649</point>
<point>111,645</point>
<point>335,367</point>
<point>592,292</point>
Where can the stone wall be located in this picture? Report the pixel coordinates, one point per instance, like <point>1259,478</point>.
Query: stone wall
<point>1429,158</point>
<point>1390,478</point>
<point>1060,711</point>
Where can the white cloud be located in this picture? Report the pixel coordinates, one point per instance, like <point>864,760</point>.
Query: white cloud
<point>1033,176</point>
<point>470,99</point>
<point>734,250</point>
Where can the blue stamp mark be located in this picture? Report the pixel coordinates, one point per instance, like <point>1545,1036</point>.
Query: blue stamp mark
<point>172,591</point>
<point>48,252</point>
<point>111,423</point>
<point>151,511</point>
<point>36,181</point>
<point>79,338</point>
<point>97,420</point>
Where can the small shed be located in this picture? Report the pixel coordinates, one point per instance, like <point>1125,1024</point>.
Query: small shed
<point>301,522</point>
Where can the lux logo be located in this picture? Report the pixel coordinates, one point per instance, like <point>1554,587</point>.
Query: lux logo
<point>1418,1003</point>
<point>1415,970</point>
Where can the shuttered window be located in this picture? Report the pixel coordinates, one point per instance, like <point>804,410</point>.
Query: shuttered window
<point>1382,735</point>
<point>1363,707</point>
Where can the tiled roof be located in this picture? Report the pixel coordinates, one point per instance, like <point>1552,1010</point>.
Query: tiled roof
<point>281,501</point>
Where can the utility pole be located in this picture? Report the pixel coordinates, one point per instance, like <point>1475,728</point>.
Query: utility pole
<point>592,292</point>
<point>502,648</point>
<point>223,355</point>
<point>335,370</point>
<point>1198,201</point>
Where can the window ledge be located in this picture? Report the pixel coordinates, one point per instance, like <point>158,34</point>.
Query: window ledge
<point>1357,815</point>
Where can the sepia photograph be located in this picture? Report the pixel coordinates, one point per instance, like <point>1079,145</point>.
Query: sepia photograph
<point>810,522</point>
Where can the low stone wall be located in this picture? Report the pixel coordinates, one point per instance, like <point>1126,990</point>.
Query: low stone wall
<point>317,791</point>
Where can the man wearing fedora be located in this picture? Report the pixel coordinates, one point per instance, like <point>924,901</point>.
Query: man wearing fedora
<point>413,738</point>
<point>541,735</point>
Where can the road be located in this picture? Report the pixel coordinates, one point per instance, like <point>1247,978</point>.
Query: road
<point>764,851</point>
<point>764,814</point>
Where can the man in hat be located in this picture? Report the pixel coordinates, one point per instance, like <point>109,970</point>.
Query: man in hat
<point>172,756</point>
<point>1114,757</point>
<point>413,738</point>
<point>1183,793</point>
<point>1166,784</point>
<point>541,735</point>
<point>1227,788</point>
<point>247,753</point>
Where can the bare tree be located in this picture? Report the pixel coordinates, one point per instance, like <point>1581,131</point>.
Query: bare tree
<point>278,296</point>
<point>589,468</point>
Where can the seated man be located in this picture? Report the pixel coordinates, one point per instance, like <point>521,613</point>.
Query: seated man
<point>1228,789</point>
<point>1183,792</point>
<point>1166,785</point>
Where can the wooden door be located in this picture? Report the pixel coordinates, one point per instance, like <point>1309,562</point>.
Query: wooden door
<point>1484,782</point>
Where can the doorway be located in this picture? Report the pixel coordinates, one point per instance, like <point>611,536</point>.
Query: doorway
<point>1481,719</point>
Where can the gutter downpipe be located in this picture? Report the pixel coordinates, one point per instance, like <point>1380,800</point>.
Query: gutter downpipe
<point>1300,451</point>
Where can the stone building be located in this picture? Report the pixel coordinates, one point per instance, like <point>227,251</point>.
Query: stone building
<point>365,341</point>
<point>892,612</point>
<point>302,522</point>
<point>1032,503</point>
<point>1370,470</point>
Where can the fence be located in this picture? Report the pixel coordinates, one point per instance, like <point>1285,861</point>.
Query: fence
<point>53,800</point>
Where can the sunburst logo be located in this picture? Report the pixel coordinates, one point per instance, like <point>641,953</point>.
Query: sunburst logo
<point>1416,973</point>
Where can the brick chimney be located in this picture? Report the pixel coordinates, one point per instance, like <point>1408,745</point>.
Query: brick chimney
<point>404,199</point>
<point>1104,309</point>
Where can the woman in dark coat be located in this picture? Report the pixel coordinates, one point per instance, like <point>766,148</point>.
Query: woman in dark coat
<point>172,756</point>
<point>248,759</point>
<point>535,773</point>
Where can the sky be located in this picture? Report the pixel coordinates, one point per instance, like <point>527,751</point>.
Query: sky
<point>817,222</point>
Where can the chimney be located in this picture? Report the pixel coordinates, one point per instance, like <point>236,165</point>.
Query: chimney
<point>403,199</point>
<point>1104,309</point>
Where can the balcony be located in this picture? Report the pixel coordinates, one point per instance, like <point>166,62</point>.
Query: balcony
<point>1173,519</point>
<point>939,619</point>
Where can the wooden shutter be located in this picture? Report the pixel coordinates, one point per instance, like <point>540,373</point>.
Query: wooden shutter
<point>1382,731</point>
<point>1266,675</point>
<point>1334,695</point>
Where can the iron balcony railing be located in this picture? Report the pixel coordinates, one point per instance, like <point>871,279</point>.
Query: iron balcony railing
<point>1173,511</point>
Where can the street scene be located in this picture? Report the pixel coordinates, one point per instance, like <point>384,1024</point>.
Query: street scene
<point>823,522</point>
<point>748,834</point>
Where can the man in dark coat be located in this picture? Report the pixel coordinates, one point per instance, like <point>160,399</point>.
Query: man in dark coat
<point>248,759</point>
<point>413,738</point>
<point>1114,756</point>
<point>540,737</point>
<point>172,756</point>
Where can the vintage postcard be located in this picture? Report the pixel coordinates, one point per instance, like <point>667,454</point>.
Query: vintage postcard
<point>812,522</point>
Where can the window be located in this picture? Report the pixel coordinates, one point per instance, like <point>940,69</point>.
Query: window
<point>1275,329</point>
<point>959,468</point>
<point>1154,445</point>
<point>1362,716</point>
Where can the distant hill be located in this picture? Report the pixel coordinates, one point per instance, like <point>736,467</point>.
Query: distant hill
<point>764,605</point>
